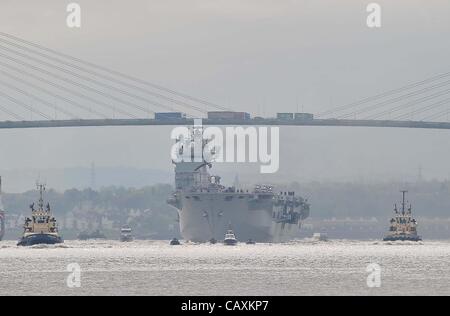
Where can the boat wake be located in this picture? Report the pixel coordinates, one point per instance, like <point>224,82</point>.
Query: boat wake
<point>47,246</point>
<point>398,243</point>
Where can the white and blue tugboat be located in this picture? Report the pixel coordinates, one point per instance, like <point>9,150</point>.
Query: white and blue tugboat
<point>403,226</point>
<point>41,228</point>
<point>126,234</point>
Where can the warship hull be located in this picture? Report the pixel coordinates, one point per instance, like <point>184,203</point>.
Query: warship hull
<point>36,239</point>
<point>206,216</point>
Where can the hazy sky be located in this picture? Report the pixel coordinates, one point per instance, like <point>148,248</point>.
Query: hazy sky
<point>261,56</point>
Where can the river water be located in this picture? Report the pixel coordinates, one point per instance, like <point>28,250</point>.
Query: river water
<point>303,267</point>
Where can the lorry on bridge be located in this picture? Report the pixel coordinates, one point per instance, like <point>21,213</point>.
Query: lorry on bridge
<point>228,115</point>
<point>295,116</point>
<point>164,116</point>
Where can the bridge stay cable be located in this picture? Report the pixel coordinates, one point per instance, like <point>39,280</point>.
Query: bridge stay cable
<point>383,95</point>
<point>29,95</point>
<point>91,80</point>
<point>117,73</point>
<point>58,86</point>
<point>424,109</point>
<point>76,83</point>
<point>10,113</point>
<point>109,78</point>
<point>83,85</point>
<point>30,108</point>
<point>413,102</point>
<point>434,116</point>
<point>124,80</point>
<point>391,101</point>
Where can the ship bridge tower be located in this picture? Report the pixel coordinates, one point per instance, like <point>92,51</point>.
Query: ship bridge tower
<point>191,170</point>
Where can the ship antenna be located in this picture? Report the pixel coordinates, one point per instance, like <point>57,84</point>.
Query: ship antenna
<point>403,201</point>
<point>41,188</point>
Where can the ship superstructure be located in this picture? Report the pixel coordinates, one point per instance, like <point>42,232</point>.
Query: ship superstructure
<point>206,207</point>
<point>290,209</point>
<point>402,226</point>
<point>41,227</point>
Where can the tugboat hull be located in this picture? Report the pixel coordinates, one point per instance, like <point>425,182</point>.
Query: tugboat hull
<point>37,239</point>
<point>402,238</point>
<point>126,238</point>
<point>175,242</point>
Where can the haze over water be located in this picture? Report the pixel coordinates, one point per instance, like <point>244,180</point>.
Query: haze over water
<point>297,268</point>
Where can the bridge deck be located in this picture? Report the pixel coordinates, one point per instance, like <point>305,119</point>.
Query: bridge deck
<point>263,122</point>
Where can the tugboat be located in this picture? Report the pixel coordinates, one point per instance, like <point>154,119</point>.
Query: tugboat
<point>403,225</point>
<point>175,242</point>
<point>230,238</point>
<point>125,234</point>
<point>2,214</point>
<point>41,228</point>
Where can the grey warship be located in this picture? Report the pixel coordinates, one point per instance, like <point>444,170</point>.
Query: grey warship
<point>206,207</point>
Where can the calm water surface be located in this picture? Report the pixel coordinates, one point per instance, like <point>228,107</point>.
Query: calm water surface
<point>296,268</point>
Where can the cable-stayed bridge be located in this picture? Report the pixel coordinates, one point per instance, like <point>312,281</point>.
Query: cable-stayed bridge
<point>42,87</point>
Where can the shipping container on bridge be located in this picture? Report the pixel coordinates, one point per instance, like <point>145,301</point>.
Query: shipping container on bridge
<point>295,116</point>
<point>170,116</point>
<point>228,115</point>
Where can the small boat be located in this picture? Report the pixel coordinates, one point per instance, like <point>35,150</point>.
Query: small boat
<point>320,237</point>
<point>175,242</point>
<point>250,242</point>
<point>213,241</point>
<point>230,238</point>
<point>91,235</point>
<point>126,234</point>
<point>41,228</point>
